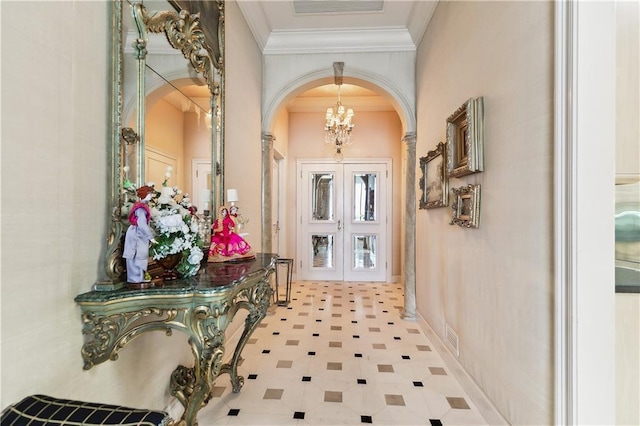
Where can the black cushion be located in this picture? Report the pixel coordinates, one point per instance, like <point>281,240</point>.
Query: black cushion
<point>42,410</point>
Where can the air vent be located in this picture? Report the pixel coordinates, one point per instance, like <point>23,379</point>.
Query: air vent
<point>452,339</point>
<point>336,6</point>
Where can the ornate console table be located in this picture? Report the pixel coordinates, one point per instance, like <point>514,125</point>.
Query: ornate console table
<point>201,307</point>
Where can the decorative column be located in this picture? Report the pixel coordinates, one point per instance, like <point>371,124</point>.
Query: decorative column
<point>267,158</point>
<point>409,312</point>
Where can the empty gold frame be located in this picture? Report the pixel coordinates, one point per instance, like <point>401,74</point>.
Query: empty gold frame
<point>465,139</point>
<point>466,206</point>
<point>434,180</point>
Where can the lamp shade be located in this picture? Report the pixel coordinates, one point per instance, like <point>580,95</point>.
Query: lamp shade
<point>232,195</point>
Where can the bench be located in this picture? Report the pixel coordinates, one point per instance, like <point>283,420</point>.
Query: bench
<point>43,410</point>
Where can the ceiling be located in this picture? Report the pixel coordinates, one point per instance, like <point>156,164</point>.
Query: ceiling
<point>304,26</point>
<point>334,26</point>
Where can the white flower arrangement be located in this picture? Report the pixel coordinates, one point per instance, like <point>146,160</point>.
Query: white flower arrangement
<point>175,227</point>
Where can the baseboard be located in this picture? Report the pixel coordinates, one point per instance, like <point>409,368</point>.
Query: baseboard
<point>477,395</point>
<point>174,409</point>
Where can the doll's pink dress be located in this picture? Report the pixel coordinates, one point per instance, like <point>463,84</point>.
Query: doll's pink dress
<point>226,244</point>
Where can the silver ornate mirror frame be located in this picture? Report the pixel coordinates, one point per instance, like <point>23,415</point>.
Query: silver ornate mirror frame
<point>183,31</point>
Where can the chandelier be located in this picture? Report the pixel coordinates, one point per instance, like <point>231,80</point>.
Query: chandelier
<point>338,124</point>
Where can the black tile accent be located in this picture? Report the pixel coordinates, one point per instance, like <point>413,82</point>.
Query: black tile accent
<point>318,320</point>
<point>266,351</point>
<point>362,381</point>
<point>390,323</point>
<point>233,412</point>
<point>252,376</point>
<point>385,312</point>
<point>290,308</point>
<point>276,333</point>
<point>406,357</point>
<point>355,336</point>
<point>366,419</point>
<point>354,322</point>
<point>321,309</point>
<point>316,334</point>
<point>353,310</point>
<point>435,422</point>
<point>311,353</point>
<point>418,384</point>
<point>358,355</point>
<point>298,415</point>
<point>306,378</point>
<point>283,319</point>
<point>396,338</point>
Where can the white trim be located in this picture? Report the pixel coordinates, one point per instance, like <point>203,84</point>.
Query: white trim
<point>333,41</point>
<point>564,386</point>
<point>584,308</point>
<point>195,191</point>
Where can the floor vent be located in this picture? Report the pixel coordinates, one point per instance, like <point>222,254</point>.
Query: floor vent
<point>452,339</point>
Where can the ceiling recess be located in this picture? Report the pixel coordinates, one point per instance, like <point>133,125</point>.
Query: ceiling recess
<point>337,6</point>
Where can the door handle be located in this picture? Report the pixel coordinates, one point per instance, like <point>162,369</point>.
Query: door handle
<point>339,225</point>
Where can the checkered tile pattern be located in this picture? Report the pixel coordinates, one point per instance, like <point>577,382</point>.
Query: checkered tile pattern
<point>341,354</point>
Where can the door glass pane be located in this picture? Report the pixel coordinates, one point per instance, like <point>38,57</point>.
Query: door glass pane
<point>322,187</point>
<point>323,251</point>
<point>364,251</point>
<point>364,197</point>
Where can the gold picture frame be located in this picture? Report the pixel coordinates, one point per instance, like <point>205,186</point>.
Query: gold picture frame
<point>466,207</point>
<point>465,139</point>
<point>434,180</point>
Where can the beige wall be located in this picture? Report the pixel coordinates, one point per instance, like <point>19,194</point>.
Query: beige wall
<point>243,146</point>
<point>493,285</point>
<point>53,243</point>
<point>164,134</point>
<point>376,135</point>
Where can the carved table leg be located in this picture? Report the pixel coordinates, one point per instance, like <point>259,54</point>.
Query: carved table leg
<point>192,386</point>
<point>231,368</point>
<point>258,304</point>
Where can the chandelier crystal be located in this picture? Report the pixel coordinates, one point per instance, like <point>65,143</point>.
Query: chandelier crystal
<point>338,127</point>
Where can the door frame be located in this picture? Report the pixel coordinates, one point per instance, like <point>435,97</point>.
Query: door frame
<point>389,205</point>
<point>278,158</point>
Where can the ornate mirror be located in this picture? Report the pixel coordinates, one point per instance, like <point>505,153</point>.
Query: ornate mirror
<point>167,107</point>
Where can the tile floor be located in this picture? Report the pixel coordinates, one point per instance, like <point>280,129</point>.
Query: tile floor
<point>341,354</point>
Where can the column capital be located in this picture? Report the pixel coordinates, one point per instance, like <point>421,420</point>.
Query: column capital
<point>409,138</point>
<point>267,140</point>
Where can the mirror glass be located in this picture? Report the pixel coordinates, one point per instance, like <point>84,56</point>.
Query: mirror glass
<point>178,114</point>
<point>322,196</point>
<point>364,251</point>
<point>364,197</point>
<point>323,250</point>
<point>167,104</point>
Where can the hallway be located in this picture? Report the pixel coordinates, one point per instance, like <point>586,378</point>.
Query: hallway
<point>341,354</point>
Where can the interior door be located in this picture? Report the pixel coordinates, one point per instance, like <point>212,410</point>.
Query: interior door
<point>343,221</point>
<point>365,213</point>
<point>321,248</point>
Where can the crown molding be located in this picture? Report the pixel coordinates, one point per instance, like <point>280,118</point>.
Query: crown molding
<point>357,103</point>
<point>340,40</point>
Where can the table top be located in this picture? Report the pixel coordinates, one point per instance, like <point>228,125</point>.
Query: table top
<point>214,278</point>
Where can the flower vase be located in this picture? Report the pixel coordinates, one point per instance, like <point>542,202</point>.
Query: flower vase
<point>169,264</point>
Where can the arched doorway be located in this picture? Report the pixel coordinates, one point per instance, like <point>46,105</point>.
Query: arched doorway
<point>404,196</point>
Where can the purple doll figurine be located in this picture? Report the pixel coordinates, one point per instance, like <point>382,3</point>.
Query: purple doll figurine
<point>136,240</point>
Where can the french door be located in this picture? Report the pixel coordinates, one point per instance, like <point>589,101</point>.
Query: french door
<point>344,229</point>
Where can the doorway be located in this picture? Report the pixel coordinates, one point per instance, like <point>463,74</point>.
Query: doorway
<point>345,231</point>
